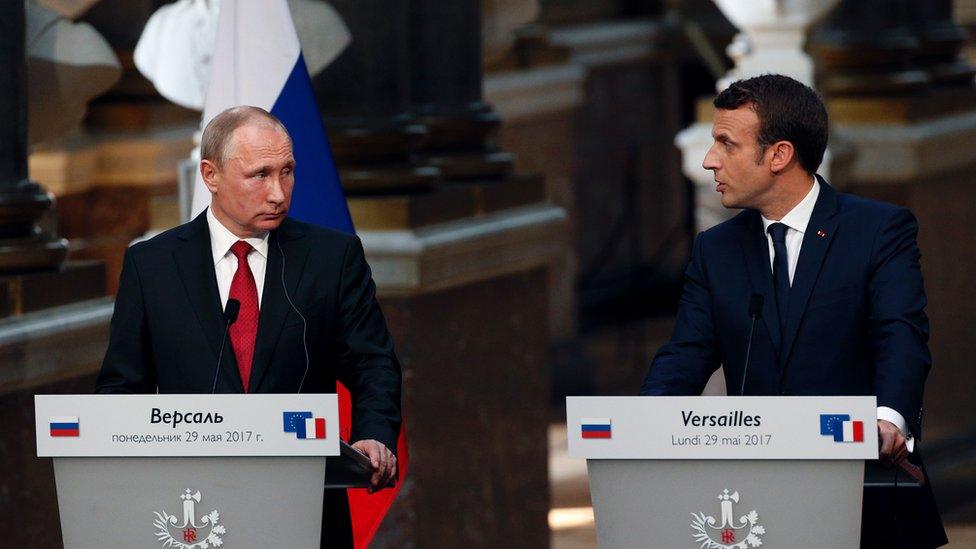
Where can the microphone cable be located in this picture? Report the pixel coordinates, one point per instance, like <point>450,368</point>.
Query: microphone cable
<point>284,288</point>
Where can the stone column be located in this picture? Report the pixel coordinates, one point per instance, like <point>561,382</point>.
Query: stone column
<point>459,248</point>
<point>905,105</point>
<point>867,47</point>
<point>23,245</point>
<point>446,90</point>
<point>365,99</point>
<point>940,41</point>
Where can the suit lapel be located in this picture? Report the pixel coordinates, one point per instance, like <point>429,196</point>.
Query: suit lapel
<point>285,250</point>
<point>756,251</point>
<point>194,261</point>
<point>816,241</point>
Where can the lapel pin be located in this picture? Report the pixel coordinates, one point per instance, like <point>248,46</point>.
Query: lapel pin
<point>821,233</point>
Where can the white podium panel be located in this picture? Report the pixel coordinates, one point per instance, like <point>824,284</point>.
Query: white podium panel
<point>189,471</point>
<point>722,427</point>
<point>725,472</point>
<point>187,425</point>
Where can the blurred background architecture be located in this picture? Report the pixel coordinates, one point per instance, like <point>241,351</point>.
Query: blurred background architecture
<point>515,171</point>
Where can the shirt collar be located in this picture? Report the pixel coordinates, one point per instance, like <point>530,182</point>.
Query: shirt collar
<point>799,217</point>
<point>221,239</point>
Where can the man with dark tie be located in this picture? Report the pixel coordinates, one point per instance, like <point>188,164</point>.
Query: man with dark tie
<point>843,300</point>
<point>308,314</point>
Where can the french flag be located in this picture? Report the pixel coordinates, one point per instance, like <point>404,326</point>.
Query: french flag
<point>314,428</point>
<point>65,426</point>
<point>257,60</point>
<point>850,431</point>
<point>841,428</point>
<point>596,427</point>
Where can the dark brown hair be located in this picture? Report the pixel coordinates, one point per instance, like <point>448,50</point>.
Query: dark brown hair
<point>787,110</point>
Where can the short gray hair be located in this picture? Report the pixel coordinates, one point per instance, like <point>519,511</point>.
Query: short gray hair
<point>216,136</point>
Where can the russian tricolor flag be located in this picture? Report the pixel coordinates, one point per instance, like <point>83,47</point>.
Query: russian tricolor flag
<point>596,427</point>
<point>65,426</point>
<point>257,60</point>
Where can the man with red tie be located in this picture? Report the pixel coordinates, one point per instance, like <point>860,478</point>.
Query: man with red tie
<point>308,314</point>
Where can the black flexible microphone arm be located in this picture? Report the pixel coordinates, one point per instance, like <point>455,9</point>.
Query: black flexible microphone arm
<point>231,311</point>
<point>755,312</point>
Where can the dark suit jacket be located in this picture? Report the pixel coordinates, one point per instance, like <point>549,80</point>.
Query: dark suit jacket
<point>855,325</point>
<point>167,326</point>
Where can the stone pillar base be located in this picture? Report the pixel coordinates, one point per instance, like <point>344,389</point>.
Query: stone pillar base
<point>466,301</point>
<point>30,292</point>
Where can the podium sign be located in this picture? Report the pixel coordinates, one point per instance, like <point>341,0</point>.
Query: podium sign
<point>723,427</point>
<point>189,471</point>
<point>725,472</point>
<point>187,425</point>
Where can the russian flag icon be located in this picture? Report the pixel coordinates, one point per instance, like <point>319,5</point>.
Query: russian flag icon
<point>596,427</point>
<point>65,426</point>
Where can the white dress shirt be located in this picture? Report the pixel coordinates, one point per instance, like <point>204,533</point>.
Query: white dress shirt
<point>796,222</point>
<point>225,263</point>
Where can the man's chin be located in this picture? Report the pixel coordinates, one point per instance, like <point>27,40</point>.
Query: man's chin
<point>269,223</point>
<point>729,201</point>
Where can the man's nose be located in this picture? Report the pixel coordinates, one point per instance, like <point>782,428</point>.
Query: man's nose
<point>710,162</point>
<point>276,191</point>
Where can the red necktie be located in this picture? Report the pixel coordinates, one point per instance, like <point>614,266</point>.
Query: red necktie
<point>244,331</point>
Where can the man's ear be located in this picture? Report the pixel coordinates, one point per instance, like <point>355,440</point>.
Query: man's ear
<point>209,173</point>
<point>783,154</point>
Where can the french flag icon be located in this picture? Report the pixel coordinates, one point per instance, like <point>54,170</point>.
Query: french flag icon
<point>304,424</point>
<point>850,431</point>
<point>596,427</point>
<point>841,428</point>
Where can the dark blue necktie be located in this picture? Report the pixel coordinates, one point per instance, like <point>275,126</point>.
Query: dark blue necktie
<point>781,271</point>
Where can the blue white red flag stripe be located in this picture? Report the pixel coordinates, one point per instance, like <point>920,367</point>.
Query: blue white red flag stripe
<point>271,74</point>
<point>851,431</point>
<point>314,428</point>
<point>65,426</point>
<point>841,428</point>
<point>596,427</point>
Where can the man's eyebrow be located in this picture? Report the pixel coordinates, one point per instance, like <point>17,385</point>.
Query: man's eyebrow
<point>268,168</point>
<point>722,137</point>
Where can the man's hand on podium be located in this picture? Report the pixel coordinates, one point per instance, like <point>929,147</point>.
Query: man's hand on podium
<point>383,461</point>
<point>893,449</point>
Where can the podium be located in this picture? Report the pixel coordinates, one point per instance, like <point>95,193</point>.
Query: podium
<point>725,472</point>
<point>189,471</point>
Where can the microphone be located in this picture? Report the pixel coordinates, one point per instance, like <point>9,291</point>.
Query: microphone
<point>231,311</point>
<point>755,312</point>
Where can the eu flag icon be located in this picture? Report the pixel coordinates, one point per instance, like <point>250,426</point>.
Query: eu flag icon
<point>295,422</point>
<point>830,424</point>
